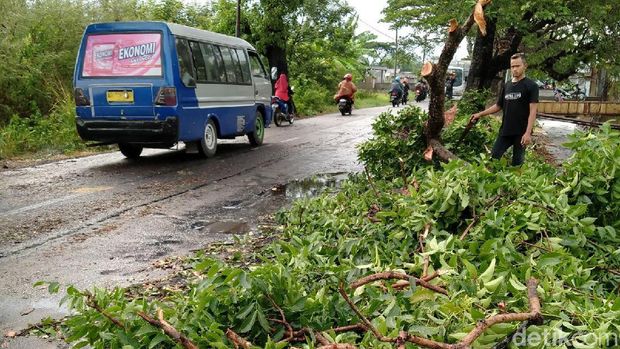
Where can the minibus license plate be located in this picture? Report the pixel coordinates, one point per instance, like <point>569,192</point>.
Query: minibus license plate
<point>120,96</point>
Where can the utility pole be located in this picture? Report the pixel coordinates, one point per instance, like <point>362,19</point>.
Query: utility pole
<point>238,26</point>
<point>396,54</point>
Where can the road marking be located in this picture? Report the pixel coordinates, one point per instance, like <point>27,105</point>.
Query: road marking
<point>41,204</point>
<point>87,190</point>
<point>78,192</point>
<point>290,139</point>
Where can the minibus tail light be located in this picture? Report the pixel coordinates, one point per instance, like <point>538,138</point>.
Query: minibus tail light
<point>166,96</point>
<point>80,98</point>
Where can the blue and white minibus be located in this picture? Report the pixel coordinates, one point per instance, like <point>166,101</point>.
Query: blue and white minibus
<point>154,84</point>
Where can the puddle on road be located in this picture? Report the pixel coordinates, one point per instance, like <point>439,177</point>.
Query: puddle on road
<point>312,186</point>
<point>237,217</point>
<point>557,134</point>
<point>222,227</point>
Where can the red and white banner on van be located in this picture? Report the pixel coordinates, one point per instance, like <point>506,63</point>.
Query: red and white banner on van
<point>112,55</point>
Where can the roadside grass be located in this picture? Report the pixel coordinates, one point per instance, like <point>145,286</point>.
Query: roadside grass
<point>363,99</point>
<point>45,136</point>
<point>42,135</point>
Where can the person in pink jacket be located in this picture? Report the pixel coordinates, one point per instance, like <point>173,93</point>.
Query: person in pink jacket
<point>281,88</point>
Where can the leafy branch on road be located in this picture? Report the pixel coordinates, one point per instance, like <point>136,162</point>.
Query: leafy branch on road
<point>286,294</point>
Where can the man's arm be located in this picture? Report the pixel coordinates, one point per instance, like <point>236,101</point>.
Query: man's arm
<point>527,137</point>
<point>490,110</point>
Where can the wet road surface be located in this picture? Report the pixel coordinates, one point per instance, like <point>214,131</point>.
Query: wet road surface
<point>103,220</point>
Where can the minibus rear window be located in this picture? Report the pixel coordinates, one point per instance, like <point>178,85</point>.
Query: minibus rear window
<point>122,55</point>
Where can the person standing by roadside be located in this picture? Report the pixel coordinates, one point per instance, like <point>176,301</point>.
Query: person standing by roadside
<point>450,85</point>
<point>518,99</point>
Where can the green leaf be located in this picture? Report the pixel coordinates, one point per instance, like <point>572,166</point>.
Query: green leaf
<point>516,284</point>
<point>492,285</point>
<point>246,311</point>
<point>471,269</point>
<point>53,287</point>
<point>248,323</point>
<point>487,275</point>
<point>159,338</point>
<point>549,260</point>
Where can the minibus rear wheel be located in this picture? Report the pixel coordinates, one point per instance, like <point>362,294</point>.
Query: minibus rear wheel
<point>256,136</point>
<point>208,143</point>
<point>131,151</point>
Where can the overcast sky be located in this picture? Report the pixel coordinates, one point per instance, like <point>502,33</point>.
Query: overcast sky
<point>370,16</point>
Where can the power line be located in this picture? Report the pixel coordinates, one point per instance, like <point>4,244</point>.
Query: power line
<point>391,37</point>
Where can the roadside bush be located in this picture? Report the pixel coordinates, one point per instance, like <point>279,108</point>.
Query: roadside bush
<point>54,133</point>
<point>312,98</point>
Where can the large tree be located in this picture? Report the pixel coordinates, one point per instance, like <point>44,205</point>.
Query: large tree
<point>559,36</point>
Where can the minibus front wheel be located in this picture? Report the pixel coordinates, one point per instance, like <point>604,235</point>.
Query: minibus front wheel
<point>131,151</point>
<point>256,136</point>
<point>208,143</point>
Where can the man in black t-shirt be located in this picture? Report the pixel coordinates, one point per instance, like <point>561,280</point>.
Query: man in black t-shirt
<point>518,99</point>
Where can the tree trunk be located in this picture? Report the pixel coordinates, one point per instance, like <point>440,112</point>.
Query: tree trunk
<point>436,81</point>
<point>276,55</point>
<point>480,74</point>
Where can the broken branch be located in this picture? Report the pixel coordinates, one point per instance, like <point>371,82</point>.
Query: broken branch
<point>534,316</point>
<point>388,275</point>
<point>372,184</point>
<point>237,340</point>
<point>427,258</point>
<point>168,329</point>
<point>289,328</point>
<point>91,302</point>
<point>401,284</point>
<point>366,322</point>
<point>477,218</point>
<point>338,346</point>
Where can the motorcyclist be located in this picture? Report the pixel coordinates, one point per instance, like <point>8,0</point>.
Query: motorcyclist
<point>346,89</point>
<point>281,91</point>
<point>406,88</point>
<point>420,91</point>
<point>397,87</point>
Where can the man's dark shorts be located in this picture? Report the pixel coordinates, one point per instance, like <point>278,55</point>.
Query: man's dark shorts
<point>502,143</point>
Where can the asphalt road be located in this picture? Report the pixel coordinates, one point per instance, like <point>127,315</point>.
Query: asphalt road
<point>103,220</point>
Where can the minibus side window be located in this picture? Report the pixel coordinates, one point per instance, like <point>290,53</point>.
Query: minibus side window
<point>212,64</point>
<point>185,63</point>
<point>236,65</point>
<point>198,60</point>
<point>257,67</point>
<point>230,65</point>
<point>220,63</point>
<point>245,68</point>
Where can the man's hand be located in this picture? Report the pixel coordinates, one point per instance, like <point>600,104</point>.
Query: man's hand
<point>474,117</point>
<point>526,139</point>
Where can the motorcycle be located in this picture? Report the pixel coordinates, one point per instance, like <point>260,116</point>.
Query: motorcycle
<point>345,105</point>
<point>420,94</point>
<point>281,112</point>
<point>395,98</point>
<point>576,94</point>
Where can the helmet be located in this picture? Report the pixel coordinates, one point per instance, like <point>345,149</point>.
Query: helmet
<point>348,77</point>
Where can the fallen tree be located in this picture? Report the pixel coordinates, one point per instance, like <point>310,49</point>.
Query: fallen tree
<point>435,74</point>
